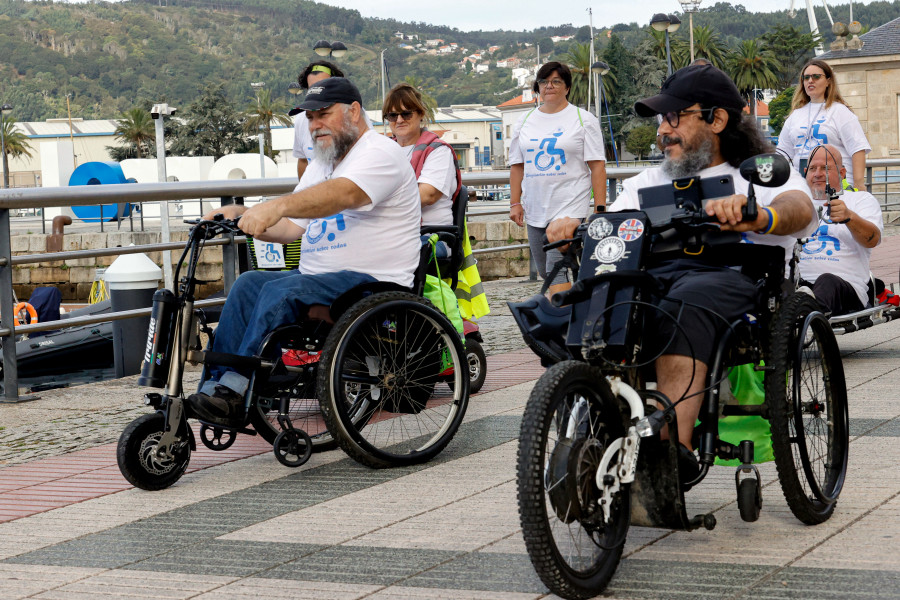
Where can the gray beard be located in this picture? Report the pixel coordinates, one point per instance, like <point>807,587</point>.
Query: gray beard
<point>341,142</point>
<point>691,162</point>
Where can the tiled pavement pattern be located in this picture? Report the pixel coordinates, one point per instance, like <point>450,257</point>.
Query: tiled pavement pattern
<point>240,525</point>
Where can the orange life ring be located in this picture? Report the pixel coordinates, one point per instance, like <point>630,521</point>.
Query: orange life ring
<point>32,314</point>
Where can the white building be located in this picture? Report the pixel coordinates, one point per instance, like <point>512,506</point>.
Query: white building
<point>510,113</point>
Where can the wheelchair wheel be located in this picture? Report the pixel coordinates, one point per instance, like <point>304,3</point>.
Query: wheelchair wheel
<point>303,407</point>
<point>395,346</point>
<point>807,399</point>
<point>477,362</point>
<point>136,454</point>
<point>569,421</point>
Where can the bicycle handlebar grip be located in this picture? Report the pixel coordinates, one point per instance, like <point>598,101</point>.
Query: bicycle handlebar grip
<point>574,294</point>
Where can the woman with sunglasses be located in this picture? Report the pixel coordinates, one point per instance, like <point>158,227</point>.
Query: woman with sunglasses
<point>556,159</point>
<point>819,115</point>
<point>432,159</point>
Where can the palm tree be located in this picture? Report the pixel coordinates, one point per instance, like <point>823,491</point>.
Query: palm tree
<point>579,60</point>
<point>678,47</point>
<point>135,128</point>
<point>750,66</point>
<point>708,45</point>
<point>261,115</point>
<point>15,144</point>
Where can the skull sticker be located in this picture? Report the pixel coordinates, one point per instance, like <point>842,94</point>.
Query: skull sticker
<point>765,168</point>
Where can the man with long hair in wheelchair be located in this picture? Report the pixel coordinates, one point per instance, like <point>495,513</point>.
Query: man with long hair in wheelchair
<point>703,132</point>
<point>357,209</point>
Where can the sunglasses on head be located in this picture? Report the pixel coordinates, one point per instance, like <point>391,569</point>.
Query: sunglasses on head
<point>813,76</point>
<point>406,114</point>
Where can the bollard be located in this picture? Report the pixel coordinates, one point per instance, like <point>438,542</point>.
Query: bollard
<point>132,280</point>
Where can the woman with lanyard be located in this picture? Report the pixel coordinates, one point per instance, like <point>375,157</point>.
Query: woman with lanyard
<point>556,159</point>
<point>819,115</point>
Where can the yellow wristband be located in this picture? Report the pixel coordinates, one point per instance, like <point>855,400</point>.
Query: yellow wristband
<point>773,219</point>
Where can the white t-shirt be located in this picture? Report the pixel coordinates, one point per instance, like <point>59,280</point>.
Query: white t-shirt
<point>813,125</point>
<point>381,238</point>
<point>832,248</point>
<point>628,200</point>
<point>555,149</point>
<point>438,171</point>
<point>303,142</point>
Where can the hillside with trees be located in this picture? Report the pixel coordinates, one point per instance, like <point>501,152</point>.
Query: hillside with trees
<point>112,57</point>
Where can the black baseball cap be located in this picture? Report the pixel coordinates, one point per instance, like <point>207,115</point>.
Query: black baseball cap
<point>334,90</point>
<point>703,84</point>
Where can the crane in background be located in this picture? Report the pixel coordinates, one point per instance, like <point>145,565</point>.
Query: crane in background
<point>811,15</point>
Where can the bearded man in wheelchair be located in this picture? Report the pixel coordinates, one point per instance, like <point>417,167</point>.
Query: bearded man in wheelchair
<point>357,210</point>
<point>704,134</point>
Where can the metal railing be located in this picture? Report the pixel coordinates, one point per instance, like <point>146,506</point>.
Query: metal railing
<point>227,191</point>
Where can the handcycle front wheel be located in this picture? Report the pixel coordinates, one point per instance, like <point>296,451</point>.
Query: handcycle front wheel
<point>807,397</point>
<point>396,348</point>
<point>570,419</point>
<point>137,454</point>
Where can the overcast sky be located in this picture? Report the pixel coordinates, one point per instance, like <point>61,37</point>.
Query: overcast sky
<point>472,15</point>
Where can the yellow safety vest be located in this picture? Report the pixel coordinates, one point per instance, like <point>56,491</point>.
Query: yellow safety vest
<point>470,291</point>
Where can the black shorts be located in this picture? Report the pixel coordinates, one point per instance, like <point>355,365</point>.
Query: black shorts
<point>693,290</point>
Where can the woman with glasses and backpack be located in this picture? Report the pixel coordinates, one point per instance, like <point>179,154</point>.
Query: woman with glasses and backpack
<point>557,165</point>
<point>820,115</point>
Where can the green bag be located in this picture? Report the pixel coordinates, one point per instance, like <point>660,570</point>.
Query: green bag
<point>747,388</point>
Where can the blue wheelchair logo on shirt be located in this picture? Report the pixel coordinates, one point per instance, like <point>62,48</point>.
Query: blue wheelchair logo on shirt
<point>819,242</point>
<point>546,157</point>
<point>339,225</point>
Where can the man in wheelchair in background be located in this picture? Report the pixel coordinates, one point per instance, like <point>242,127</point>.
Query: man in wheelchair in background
<point>357,208</point>
<point>703,133</point>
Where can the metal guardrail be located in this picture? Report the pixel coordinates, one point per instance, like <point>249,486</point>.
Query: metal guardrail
<point>226,191</point>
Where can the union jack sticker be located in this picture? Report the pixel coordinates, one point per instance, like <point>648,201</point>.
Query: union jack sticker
<point>630,230</point>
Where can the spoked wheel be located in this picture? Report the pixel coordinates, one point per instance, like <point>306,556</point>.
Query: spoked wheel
<point>303,407</point>
<point>570,420</point>
<point>138,459</point>
<point>378,380</point>
<point>216,438</point>
<point>292,447</point>
<point>807,397</point>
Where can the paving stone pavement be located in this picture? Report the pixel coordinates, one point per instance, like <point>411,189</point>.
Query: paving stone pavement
<point>244,526</point>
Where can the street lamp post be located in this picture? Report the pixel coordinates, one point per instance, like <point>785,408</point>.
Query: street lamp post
<point>600,69</point>
<point>477,153</point>
<point>668,24</point>
<point>262,138</point>
<point>690,7</point>
<point>4,110</point>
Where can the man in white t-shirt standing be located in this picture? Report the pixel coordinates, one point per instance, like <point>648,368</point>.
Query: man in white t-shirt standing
<point>835,260</point>
<point>303,144</point>
<point>357,209</point>
<point>703,133</point>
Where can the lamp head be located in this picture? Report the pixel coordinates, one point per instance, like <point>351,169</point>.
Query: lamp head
<point>322,48</point>
<point>294,88</point>
<point>338,49</point>
<point>674,24</point>
<point>600,67</point>
<point>6,109</point>
<point>660,22</point>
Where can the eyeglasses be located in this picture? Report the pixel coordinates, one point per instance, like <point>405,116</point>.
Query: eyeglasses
<point>813,76</point>
<point>551,82</point>
<point>406,114</point>
<point>674,118</point>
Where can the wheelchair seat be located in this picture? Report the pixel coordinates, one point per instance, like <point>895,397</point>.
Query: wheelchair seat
<point>452,236</point>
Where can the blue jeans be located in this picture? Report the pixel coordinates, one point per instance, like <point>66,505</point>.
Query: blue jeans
<point>261,301</point>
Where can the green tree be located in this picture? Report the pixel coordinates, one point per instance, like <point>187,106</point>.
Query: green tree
<point>708,45</point>
<point>751,66</point>
<point>430,103</point>
<point>793,47</point>
<point>211,127</point>
<point>639,140</point>
<point>680,50</point>
<point>779,109</point>
<point>579,60</point>
<point>135,128</point>
<point>261,114</point>
<point>15,145</point>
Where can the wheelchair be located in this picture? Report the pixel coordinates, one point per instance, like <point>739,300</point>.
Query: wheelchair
<point>381,373</point>
<point>590,460</point>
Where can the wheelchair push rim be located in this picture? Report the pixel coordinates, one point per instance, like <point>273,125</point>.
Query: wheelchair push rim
<point>394,348</point>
